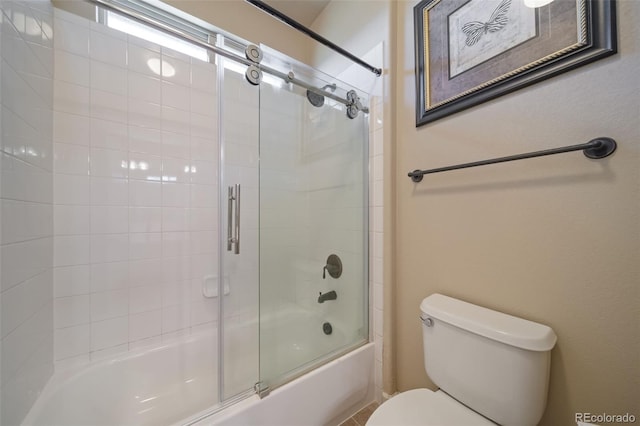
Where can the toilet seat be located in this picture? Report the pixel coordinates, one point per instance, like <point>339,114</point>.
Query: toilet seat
<point>424,407</point>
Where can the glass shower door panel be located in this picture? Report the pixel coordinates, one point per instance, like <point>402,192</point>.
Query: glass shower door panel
<point>313,168</point>
<point>239,217</point>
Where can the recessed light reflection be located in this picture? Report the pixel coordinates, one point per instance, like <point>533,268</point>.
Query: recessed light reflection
<point>142,165</point>
<point>161,67</point>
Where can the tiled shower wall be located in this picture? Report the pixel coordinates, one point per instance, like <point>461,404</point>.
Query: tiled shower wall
<point>26,205</point>
<point>376,235</point>
<point>135,192</point>
<point>312,205</point>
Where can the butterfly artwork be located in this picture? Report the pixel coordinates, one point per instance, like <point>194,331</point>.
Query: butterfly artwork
<point>474,30</point>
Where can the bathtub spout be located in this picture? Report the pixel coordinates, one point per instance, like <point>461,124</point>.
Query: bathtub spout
<point>330,295</point>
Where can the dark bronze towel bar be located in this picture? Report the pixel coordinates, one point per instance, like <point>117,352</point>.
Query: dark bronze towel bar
<point>596,149</point>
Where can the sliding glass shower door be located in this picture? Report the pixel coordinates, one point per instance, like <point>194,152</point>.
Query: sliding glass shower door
<point>238,231</point>
<point>293,225</point>
<point>313,229</point>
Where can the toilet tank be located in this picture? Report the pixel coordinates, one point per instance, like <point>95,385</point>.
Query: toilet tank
<point>494,363</point>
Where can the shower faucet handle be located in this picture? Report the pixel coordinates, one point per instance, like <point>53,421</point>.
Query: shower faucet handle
<point>333,266</point>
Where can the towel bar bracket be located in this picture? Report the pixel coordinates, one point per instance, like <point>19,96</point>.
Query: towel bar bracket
<point>595,149</point>
<point>604,149</point>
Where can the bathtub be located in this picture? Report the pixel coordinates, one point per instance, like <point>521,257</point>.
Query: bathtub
<point>327,395</point>
<point>177,383</point>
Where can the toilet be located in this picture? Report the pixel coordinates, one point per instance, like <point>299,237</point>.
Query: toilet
<point>490,368</point>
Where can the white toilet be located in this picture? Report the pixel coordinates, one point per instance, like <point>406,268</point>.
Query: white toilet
<point>490,368</point>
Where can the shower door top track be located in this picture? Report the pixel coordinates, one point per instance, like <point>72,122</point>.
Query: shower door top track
<point>123,9</point>
<point>317,37</point>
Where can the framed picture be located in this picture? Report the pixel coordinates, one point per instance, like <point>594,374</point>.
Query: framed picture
<point>470,51</point>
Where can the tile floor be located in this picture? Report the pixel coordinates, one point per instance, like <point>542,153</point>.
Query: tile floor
<point>361,417</point>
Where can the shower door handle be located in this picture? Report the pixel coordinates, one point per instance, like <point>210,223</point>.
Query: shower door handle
<point>233,232</point>
<point>237,227</point>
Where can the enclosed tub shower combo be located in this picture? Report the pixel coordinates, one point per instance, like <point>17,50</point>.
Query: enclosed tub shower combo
<point>184,229</point>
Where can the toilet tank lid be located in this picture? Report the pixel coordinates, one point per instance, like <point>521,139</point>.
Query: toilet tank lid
<point>491,324</point>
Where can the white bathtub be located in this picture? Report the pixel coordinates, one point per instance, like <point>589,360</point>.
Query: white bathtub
<point>327,395</point>
<point>169,384</point>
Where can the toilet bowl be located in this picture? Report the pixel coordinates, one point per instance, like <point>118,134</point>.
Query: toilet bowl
<point>425,407</point>
<point>491,368</point>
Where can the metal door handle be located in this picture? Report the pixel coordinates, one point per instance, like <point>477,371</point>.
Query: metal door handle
<point>233,231</point>
<point>237,228</point>
<point>229,218</point>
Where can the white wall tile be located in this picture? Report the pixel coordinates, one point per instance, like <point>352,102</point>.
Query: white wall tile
<point>109,219</point>
<point>109,106</point>
<point>176,120</point>
<point>145,219</point>
<point>175,269</point>
<point>176,170</point>
<point>175,318</point>
<point>109,304</point>
<point>144,343</point>
<point>203,242</point>
<point>176,293</point>
<point>203,126</point>
<point>71,98</point>
<point>71,37</point>
<point>72,68</point>
<point>72,219</point>
<point>72,341</point>
<point>145,272</point>
<point>124,230</point>
<point>204,103</point>
<point>109,248</point>
<point>175,219</point>
<point>109,333</point>
<point>176,96</point>
<point>204,196</point>
<point>109,78</point>
<point>176,145</point>
<point>204,172</point>
<point>203,311</point>
<point>139,58</point>
<point>109,276</point>
<point>145,140</point>
<point>108,134</point>
<point>182,70</point>
<point>145,114</point>
<point>105,48</point>
<point>145,246</point>
<point>145,193</point>
<point>71,311</point>
<point>109,163</point>
<point>203,77</point>
<point>145,298</point>
<point>203,219</point>
<point>71,280</point>
<point>175,244</point>
<point>145,325</point>
<point>145,166</point>
<point>24,260</point>
<point>71,159</point>
<point>109,191</point>
<point>110,352</point>
<point>144,88</point>
<point>175,194</point>
<point>71,128</point>
<point>204,148</point>
<point>71,250</point>
<point>22,301</point>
